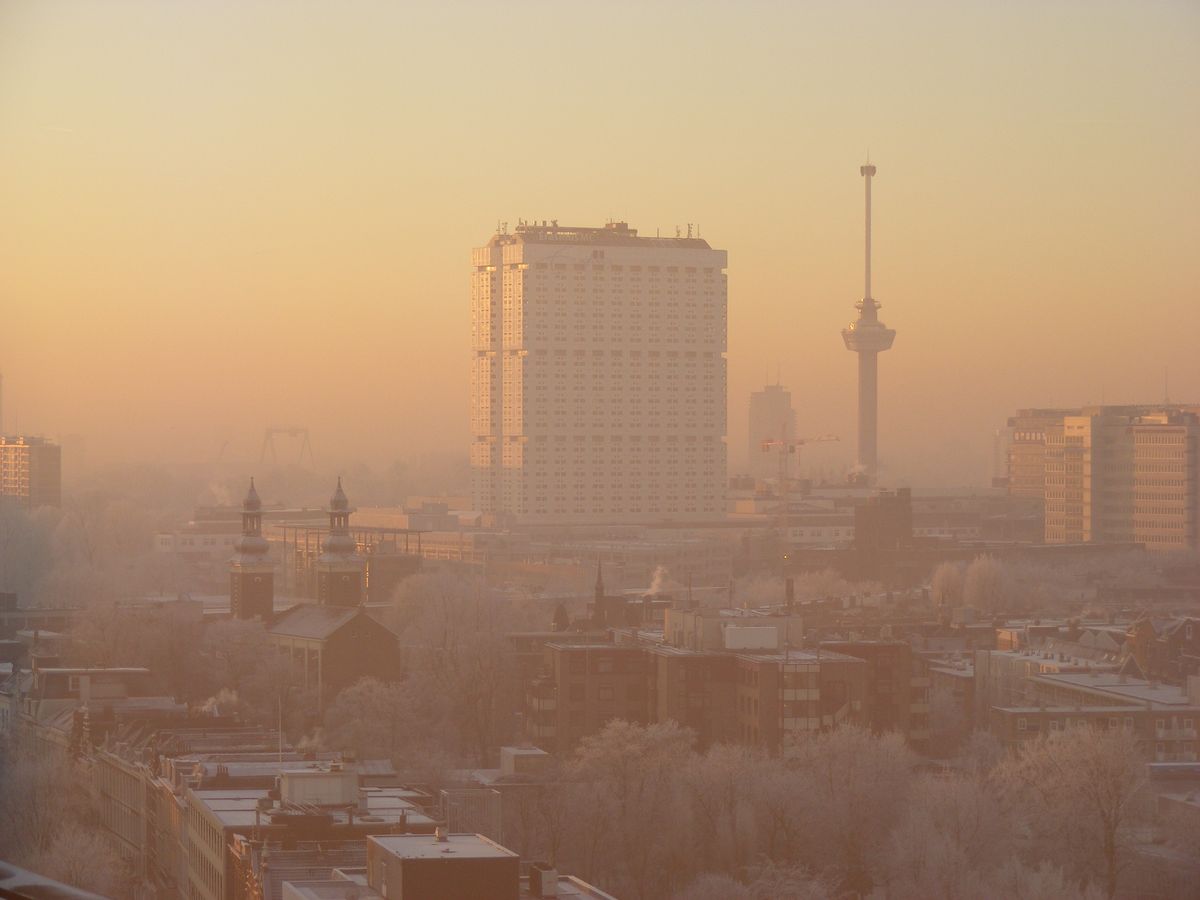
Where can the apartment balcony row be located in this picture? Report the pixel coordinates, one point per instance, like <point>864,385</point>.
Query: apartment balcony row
<point>1175,734</point>
<point>813,694</point>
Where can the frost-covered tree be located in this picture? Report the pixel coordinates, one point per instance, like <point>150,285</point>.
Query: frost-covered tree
<point>49,824</point>
<point>716,785</point>
<point>379,720</point>
<point>1081,796</point>
<point>987,586</point>
<point>856,784</point>
<point>946,585</point>
<point>950,831</point>
<point>627,778</point>
<point>453,633</point>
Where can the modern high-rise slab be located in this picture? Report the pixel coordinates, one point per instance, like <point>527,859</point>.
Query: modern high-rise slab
<point>868,337</point>
<point>597,376</point>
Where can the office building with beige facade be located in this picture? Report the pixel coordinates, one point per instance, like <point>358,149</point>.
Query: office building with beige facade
<point>1026,450</point>
<point>1124,475</point>
<point>1110,474</point>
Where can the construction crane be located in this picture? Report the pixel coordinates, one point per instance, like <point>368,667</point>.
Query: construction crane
<point>292,431</point>
<point>787,449</point>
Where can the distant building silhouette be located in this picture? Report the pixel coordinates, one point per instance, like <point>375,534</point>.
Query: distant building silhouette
<point>771,419</point>
<point>868,337</point>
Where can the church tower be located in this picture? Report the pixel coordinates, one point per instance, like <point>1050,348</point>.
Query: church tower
<point>339,567</point>
<point>251,574</point>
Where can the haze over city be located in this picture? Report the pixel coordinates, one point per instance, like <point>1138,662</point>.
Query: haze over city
<point>655,451</point>
<point>219,217</point>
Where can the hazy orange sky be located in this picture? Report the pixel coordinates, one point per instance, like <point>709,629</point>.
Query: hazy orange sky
<point>215,216</point>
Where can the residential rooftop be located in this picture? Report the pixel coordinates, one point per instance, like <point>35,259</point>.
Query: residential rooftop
<point>800,656</point>
<point>94,670</point>
<point>239,808</point>
<point>428,846</point>
<point>333,889</point>
<point>967,673</point>
<point>604,647</point>
<point>568,886</point>
<point>1133,690</point>
<point>1068,710</point>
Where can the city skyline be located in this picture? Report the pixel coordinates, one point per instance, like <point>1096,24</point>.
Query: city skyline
<point>342,223</point>
<point>444,451</point>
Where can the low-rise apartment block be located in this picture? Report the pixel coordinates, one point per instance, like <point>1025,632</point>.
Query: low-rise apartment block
<point>584,686</point>
<point>1023,696</point>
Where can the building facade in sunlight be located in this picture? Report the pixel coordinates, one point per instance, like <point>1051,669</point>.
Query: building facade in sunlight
<point>30,472</point>
<point>598,376</point>
<point>1025,452</point>
<point>1124,474</point>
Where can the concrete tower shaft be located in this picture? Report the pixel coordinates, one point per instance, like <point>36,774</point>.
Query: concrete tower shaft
<point>868,337</point>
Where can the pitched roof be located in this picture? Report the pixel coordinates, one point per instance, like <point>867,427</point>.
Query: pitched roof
<point>308,620</point>
<point>1174,625</point>
<point>1131,668</point>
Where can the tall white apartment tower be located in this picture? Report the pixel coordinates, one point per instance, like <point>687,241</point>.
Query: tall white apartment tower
<point>597,376</point>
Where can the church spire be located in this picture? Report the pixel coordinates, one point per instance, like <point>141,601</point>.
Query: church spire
<point>339,567</point>
<point>251,576</point>
<point>252,513</point>
<point>251,543</point>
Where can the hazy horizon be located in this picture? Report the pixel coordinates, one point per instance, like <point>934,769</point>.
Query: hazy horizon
<point>215,218</point>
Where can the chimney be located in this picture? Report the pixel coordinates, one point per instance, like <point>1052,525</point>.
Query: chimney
<point>543,880</point>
